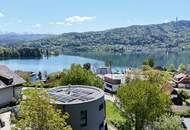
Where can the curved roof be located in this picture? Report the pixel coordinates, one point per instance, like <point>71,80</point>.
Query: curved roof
<point>75,94</point>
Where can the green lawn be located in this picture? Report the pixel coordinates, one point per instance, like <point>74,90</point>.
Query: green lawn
<point>115,116</point>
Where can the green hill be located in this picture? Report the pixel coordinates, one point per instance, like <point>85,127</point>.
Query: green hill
<point>171,36</point>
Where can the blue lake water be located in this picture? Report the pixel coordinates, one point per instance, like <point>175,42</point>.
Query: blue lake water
<point>51,64</point>
<point>119,61</point>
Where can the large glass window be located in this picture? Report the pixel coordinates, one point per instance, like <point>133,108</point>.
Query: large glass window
<point>83,118</point>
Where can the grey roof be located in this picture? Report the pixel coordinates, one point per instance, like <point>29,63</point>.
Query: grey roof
<point>7,73</point>
<point>75,94</point>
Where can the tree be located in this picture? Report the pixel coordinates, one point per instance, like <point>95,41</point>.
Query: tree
<point>188,67</point>
<point>36,112</point>
<point>80,76</point>
<point>87,66</point>
<point>168,122</point>
<point>181,68</point>
<point>143,102</point>
<point>171,68</point>
<point>150,62</point>
<point>157,76</point>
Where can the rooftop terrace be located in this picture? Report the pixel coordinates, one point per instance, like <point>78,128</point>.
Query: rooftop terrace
<point>75,94</point>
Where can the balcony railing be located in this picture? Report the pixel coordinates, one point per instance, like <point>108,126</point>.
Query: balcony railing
<point>112,81</point>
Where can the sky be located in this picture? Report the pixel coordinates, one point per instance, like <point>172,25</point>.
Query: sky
<point>62,16</point>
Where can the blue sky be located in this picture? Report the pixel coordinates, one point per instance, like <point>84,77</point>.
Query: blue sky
<point>60,16</point>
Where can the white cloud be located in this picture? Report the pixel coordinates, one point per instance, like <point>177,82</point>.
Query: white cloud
<point>61,23</point>
<point>37,25</point>
<point>68,24</point>
<point>1,14</point>
<point>78,19</point>
<point>166,21</point>
<point>72,20</point>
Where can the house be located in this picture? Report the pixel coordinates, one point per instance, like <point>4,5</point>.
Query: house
<point>10,85</point>
<point>84,104</point>
<point>103,70</point>
<point>182,80</point>
<point>113,81</point>
<point>175,97</point>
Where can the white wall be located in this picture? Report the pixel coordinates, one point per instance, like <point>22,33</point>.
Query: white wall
<point>6,95</point>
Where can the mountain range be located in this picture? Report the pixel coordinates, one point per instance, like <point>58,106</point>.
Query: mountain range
<point>11,37</point>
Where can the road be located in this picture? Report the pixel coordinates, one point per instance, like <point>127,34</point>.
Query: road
<point>5,117</point>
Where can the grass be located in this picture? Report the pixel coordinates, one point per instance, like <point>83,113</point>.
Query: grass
<point>113,112</point>
<point>115,116</point>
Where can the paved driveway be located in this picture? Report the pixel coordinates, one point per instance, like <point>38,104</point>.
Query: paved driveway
<point>5,117</point>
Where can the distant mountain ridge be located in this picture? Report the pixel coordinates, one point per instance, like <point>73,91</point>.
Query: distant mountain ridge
<point>11,38</point>
<point>166,36</point>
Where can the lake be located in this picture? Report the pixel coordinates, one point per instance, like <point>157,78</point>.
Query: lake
<point>119,61</point>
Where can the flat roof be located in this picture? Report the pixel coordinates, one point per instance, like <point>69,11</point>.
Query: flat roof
<point>75,94</point>
<point>115,76</point>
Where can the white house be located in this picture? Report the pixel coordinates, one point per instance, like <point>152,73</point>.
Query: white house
<point>113,81</point>
<point>10,85</point>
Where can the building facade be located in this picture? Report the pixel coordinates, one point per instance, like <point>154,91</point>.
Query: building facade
<point>10,85</point>
<point>85,105</point>
<point>113,81</point>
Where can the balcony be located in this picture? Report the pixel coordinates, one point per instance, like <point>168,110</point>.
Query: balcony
<point>112,81</point>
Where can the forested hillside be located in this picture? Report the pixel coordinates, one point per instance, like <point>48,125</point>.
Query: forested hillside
<point>172,36</point>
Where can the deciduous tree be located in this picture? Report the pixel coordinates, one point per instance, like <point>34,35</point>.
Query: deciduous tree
<point>37,113</point>
<point>80,76</point>
<point>143,102</point>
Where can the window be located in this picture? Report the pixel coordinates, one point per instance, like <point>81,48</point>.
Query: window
<point>83,118</point>
<point>101,106</point>
<point>109,86</point>
<point>101,125</point>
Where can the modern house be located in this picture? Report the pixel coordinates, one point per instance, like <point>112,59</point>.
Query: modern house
<point>85,105</point>
<point>10,85</point>
<point>113,81</point>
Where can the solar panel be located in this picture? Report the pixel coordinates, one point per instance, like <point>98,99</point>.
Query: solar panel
<point>76,90</point>
<point>67,95</point>
<point>86,92</point>
<point>67,99</point>
<point>86,97</point>
<point>75,95</point>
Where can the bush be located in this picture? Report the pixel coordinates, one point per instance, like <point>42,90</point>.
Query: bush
<point>168,122</point>
<point>183,94</point>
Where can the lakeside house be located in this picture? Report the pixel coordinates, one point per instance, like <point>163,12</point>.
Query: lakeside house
<point>174,95</point>
<point>182,80</point>
<point>85,105</point>
<point>10,85</point>
<point>113,81</point>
